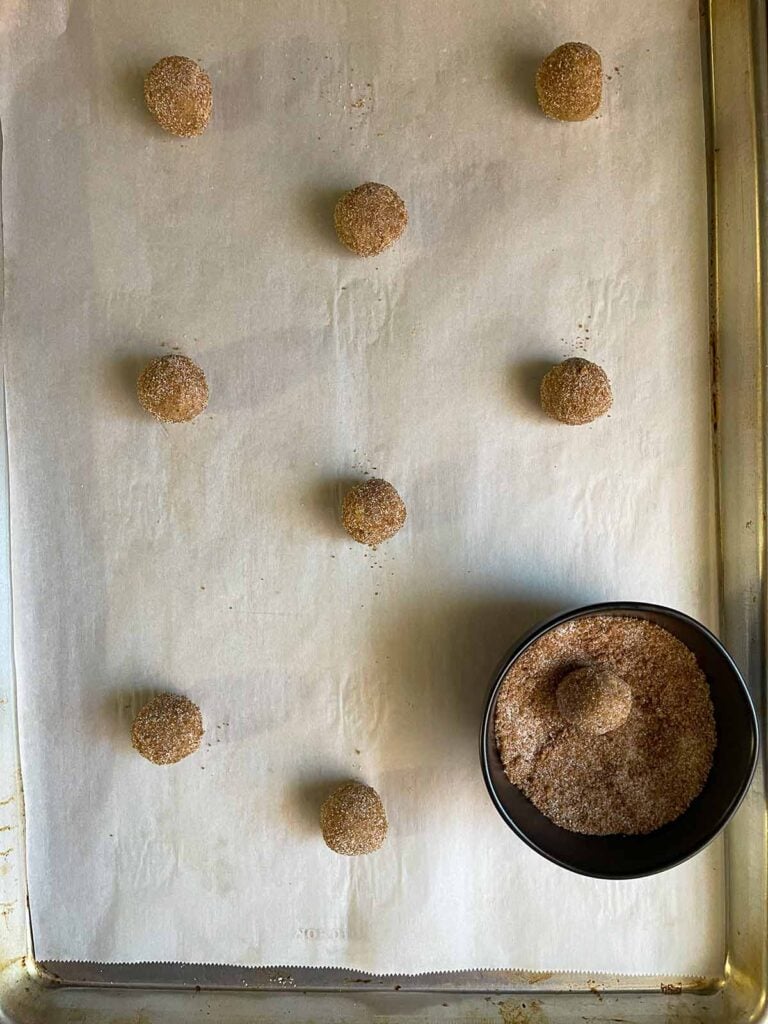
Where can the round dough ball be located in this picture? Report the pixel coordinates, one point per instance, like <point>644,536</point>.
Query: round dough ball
<point>372,512</point>
<point>167,729</point>
<point>353,821</point>
<point>173,389</point>
<point>576,392</point>
<point>370,218</point>
<point>594,699</point>
<point>179,96</point>
<point>569,82</point>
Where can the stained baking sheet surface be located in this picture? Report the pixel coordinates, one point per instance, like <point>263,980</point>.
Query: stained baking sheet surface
<point>208,558</point>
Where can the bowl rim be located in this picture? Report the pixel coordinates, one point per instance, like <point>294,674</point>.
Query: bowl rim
<point>522,645</point>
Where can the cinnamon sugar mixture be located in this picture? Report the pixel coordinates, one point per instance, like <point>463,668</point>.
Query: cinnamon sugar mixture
<point>633,779</point>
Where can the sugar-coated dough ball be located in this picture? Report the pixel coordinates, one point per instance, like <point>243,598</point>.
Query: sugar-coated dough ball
<point>179,96</point>
<point>372,512</point>
<point>370,218</point>
<point>353,821</point>
<point>167,729</point>
<point>576,392</point>
<point>173,389</point>
<point>569,82</point>
<point>594,699</point>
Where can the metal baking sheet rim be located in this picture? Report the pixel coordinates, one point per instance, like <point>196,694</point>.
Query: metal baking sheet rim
<point>735,62</point>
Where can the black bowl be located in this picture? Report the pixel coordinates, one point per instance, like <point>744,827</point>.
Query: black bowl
<point>734,764</point>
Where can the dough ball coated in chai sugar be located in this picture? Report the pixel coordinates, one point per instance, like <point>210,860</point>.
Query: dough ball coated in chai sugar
<point>594,699</point>
<point>167,729</point>
<point>173,389</point>
<point>370,218</point>
<point>372,512</point>
<point>353,821</point>
<point>179,96</point>
<point>576,392</point>
<point>569,82</point>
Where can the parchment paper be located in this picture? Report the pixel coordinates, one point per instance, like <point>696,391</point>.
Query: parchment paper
<point>208,558</point>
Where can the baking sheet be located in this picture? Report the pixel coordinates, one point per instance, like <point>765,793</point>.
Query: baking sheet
<point>208,558</point>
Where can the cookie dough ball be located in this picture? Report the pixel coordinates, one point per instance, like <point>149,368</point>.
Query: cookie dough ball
<point>173,389</point>
<point>370,218</point>
<point>372,512</point>
<point>576,391</point>
<point>167,729</point>
<point>353,821</point>
<point>179,96</point>
<point>594,699</point>
<point>569,82</point>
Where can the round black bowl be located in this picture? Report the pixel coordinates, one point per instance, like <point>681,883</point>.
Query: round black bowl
<point>635,856</point>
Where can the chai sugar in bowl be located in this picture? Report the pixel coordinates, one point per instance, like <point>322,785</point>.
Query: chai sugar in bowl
<point>733,758</point>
